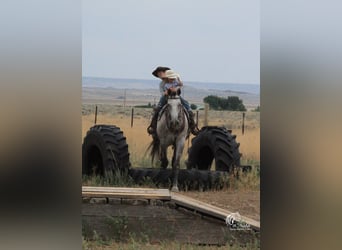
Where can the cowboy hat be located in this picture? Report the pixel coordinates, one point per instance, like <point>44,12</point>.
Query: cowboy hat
<point>159,69</point>
<point>171,74</point>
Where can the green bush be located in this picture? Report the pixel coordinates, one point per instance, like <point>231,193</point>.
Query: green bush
<point>193,106</point>
<point>232,103</point>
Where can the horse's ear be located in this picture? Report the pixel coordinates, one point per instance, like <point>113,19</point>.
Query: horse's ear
<point>178,91</point>
<point>169,92</point>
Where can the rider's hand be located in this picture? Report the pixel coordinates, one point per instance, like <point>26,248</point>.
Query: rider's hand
<point>165,92</point>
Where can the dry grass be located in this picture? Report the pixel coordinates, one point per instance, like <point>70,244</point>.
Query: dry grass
<point>167,245</point>
<point>138,139</point>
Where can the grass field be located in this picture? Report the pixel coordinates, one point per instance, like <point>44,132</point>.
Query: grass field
<point>138,139</point>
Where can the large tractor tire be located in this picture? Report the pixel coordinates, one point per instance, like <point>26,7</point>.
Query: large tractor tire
<point>104,150</point>
<point>188,179</point>
<point>214,143</point>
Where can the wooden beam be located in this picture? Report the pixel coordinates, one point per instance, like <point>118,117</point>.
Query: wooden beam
<point>208,209</point>
<point>126,193</point>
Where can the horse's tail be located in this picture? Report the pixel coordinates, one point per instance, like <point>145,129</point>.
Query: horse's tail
<point>154,148</point>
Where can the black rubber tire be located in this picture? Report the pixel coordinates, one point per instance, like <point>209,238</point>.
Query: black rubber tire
<point>214,143</point>
<point>104,150</point>
<point>188,179</point>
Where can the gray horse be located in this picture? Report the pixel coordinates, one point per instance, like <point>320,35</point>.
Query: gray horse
<point>172,130</point>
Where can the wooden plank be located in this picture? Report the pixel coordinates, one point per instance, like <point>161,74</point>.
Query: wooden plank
<point>208,209</point>
<point>126,193</point>
<point>126,196</point>
<point>91,188</point>
<point>163,194</point>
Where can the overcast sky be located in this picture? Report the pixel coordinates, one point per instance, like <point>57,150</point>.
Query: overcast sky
<point>203,40</point>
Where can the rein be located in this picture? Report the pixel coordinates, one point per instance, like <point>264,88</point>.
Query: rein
<point>173,97</point>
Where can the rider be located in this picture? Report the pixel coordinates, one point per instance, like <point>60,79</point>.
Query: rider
<point>170,79</point>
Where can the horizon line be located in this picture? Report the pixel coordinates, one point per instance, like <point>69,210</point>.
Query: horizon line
<point>156,80</point>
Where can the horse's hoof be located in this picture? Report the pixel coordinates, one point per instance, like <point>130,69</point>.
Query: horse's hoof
<point>175,189</point>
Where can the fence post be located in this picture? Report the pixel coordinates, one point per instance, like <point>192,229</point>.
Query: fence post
<point>197,118</point>
<point>206,109</point>
<point>95,114</point>
<point>132,117</point>
<point>124,104</point>
<point>243,122</point>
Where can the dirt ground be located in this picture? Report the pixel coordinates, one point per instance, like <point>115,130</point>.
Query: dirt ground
<point>129,225</point>
<point>162,246</point>
<point>247,203</point>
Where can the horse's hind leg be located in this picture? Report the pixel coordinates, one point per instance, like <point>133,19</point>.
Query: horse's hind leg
<point>163,158</point>
<point>177,153</point>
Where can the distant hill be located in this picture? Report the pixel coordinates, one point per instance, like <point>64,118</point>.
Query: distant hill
<point>149,84</point>
<point>109,90</point>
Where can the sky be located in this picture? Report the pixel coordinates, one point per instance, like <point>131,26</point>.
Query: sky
<point>202,40</point>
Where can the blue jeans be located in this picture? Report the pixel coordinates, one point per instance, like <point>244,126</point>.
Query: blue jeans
<point>162,101</point>
<point>184,102</point>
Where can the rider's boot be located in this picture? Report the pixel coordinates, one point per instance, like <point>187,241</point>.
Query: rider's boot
<point>192,124</point>
<point>152,129</point>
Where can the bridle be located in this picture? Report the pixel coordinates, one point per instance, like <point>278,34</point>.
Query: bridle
<point>180,115</point>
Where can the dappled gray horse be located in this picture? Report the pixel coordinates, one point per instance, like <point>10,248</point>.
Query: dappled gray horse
<point>172,130</point>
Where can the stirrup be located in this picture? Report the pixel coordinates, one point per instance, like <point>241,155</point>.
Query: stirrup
<point>150,130</point>
<point>195,131</point>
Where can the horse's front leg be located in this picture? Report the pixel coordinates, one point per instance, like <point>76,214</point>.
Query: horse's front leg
<point>163,157</point>
<point>177,153</point>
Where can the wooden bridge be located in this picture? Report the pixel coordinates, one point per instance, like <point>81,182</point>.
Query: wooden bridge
<point>164,195</point>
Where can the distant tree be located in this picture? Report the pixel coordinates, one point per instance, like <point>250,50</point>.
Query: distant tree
<point>144,106</point>
<point>257,109</point>
<point>224,104</point>
<point>213,101</point>
<point>233,103</point>
<point>193,106</point>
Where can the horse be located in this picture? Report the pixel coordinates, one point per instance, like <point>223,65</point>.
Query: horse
<point>172,130</point>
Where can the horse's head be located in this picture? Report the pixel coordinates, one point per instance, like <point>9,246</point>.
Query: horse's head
<point>175,109</point>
